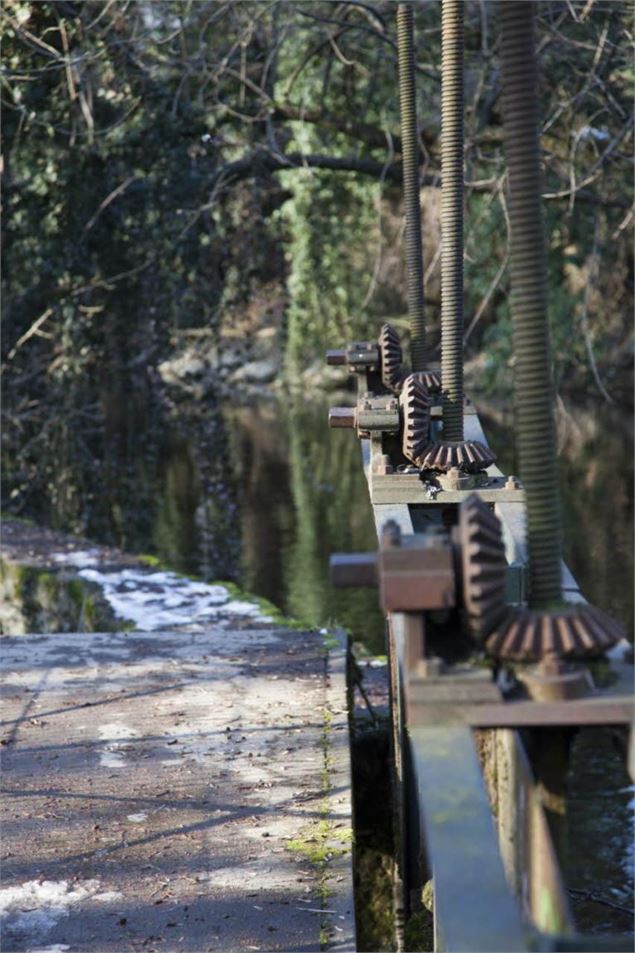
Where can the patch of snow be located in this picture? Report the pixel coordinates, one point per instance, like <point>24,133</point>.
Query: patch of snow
<point>111,756</point>
<point>110,760</point>
<point>33,908</point>
<point>154,600</point>
<point>56,948</point>
<point>238,607</point>
<point>78,557</point>
<point>137,818</point>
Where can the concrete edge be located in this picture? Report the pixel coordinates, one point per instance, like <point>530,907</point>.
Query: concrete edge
<point>339,879</point>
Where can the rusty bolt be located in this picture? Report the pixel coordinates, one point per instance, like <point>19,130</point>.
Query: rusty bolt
<point>390,535</point>
<point>342,417</point>
<point>511,483</point>
<point>430,667</point>
<point>336,357</point>
<point>383,465</point>
<point>552,665</point>
<point>456,479</point>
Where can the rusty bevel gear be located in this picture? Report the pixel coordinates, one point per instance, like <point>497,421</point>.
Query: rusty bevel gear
<point>483,566</point>
<point>575,631</point>
<point>431,379</point>
<point>470,456</point>
<point>517,633</point>
<point>391,358</point>
<point>415,411</point>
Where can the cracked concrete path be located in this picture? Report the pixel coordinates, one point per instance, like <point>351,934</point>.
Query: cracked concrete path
<point>176,791</point>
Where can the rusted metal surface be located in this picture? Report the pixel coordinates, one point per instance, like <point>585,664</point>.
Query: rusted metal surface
<point>484,567</point>
<point>377,413</point>
<point>553,679</point>
<point>456,479</point>
<point>336,357</point>
<point>431,378</point>
<point>415,411</point>
<point>440,699</point>
<point>362,356</point>
<point>531,864</point>
<point>522,714</point>
<point>411,489</point>
<point>439,695</point>
<point>533,389</point>
<point>382,464</point>
<point>358,357</point>
<point>398,779</point>
<point>573,631</point>
<point>415,576</point>
<point>466,455</point>
<point>391,358</point>
<point>353,569</point>
<point>410,166</point>
<point>371,413</point>
<point>415,572</point>
<point>342,417</point>
<point>474,908</point>
<point>452,217</point>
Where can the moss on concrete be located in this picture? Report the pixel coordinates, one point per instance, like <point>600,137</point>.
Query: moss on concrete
<point>321,841</point>
<point>43,599</point>
<point>374,865</point>
<point>419,932</point>
<point>375,920</point>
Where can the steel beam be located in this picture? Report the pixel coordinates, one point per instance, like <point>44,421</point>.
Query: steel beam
<point>521,714</point>
<point>410,488</point>
<point>474,908</point>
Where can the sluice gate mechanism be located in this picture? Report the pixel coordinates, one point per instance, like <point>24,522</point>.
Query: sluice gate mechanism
<point>486,627</point>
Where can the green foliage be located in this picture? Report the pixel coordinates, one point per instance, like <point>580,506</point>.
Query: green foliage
<point>147,194</point>
<point>329,219</point>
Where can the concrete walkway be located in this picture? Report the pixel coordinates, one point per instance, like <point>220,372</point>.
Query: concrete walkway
<point>176,791</point>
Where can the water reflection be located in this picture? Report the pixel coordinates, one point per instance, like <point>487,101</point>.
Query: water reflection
<point>302,496</point>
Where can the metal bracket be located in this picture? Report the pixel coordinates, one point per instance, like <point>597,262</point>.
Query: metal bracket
<point>411,488</point>
<point>415,572</point>
<point>372,415</point>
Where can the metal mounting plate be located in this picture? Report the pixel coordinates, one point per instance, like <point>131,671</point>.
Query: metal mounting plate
<point>424,710</point>
<point>409,488</point>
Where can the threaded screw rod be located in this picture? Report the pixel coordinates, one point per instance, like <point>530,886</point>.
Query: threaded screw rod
<point>452,219</point>
<point>533,389</point>
<point>409,154</point>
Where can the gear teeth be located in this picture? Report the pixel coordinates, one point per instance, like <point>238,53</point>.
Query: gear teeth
<point>415,409</point>
<point>431,379</point>
<point>470,456</point>
<point>484,566</point>
<point>576,631</point>
<point>391,357</point>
